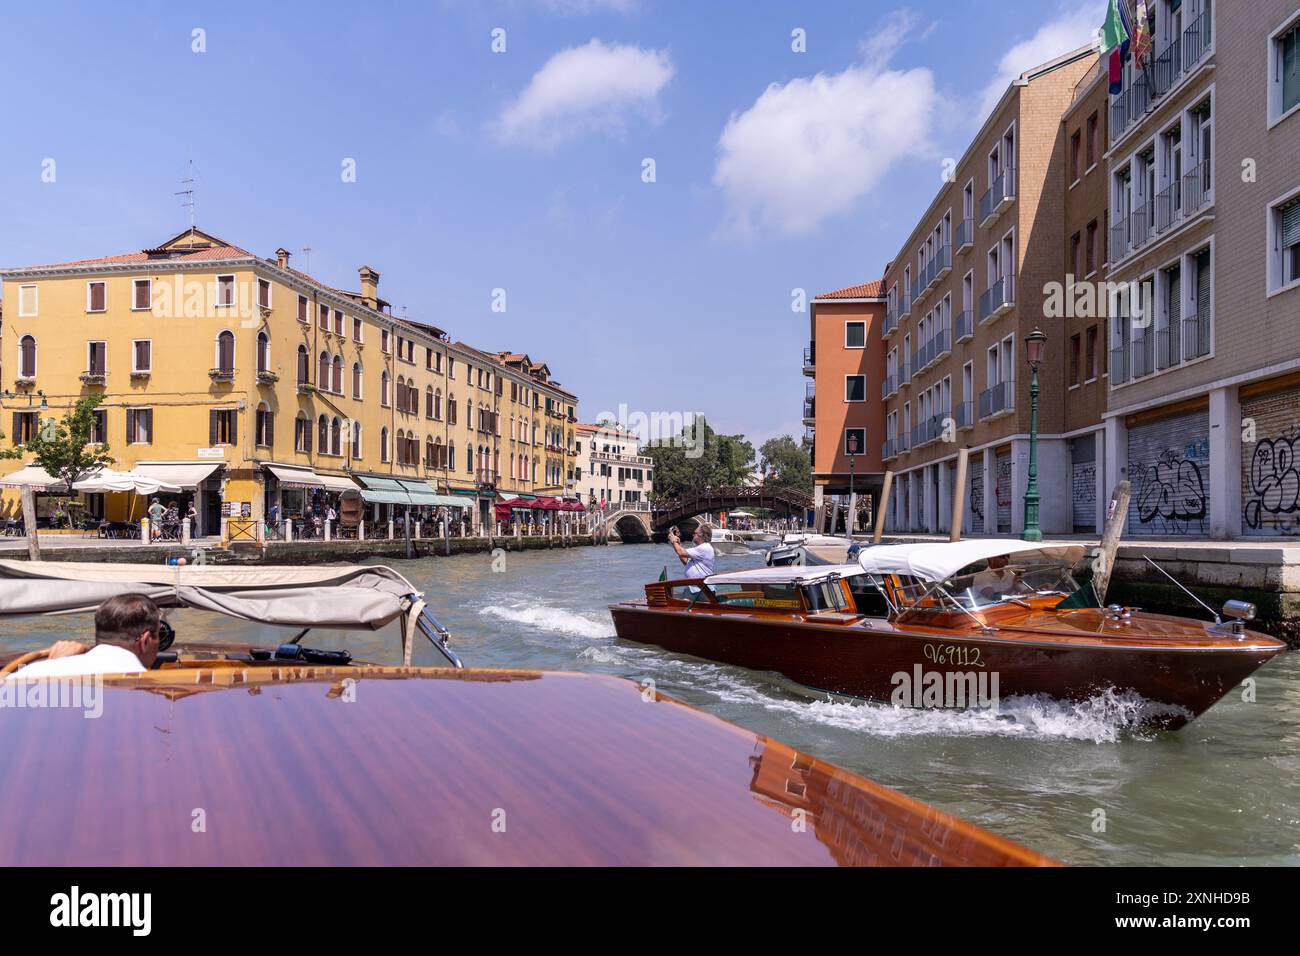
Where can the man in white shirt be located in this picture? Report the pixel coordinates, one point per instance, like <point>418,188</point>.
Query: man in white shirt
<point>126,642</point>
<point>699,559</point>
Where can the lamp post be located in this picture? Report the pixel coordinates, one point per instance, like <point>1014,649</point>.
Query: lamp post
<point>853,454</point>
<point>1035,345</point>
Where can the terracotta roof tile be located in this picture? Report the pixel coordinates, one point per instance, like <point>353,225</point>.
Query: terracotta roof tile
<point>867,290</point>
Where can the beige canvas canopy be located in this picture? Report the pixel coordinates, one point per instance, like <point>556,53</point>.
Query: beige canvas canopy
<point>355,597</point>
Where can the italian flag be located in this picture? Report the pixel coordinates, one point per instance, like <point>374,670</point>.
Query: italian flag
<point>1113,31</point>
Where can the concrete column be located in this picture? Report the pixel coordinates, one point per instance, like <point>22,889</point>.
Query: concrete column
<point>288,530</point>
<point>945,497</point>
<point>361,530</point>
<point>327,529</point>
<point>390,529</point>
<point>185,531</point>
<point>1225,463</point>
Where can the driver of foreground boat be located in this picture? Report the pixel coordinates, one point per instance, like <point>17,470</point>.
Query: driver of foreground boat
<point>997,579</point>
<point>699,559</point>
<point>126,642</point>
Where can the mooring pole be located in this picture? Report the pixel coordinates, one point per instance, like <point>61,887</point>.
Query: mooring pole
<point>959,495</point>
<point>885,491</point>
<point>1116,515</point>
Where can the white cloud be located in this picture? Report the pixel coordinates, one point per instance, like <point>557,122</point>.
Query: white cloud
<point>809,149</point>
<point>581,89</point>
<point>1070,30</point>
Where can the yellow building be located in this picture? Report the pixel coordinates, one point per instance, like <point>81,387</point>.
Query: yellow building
<point>240,378</point>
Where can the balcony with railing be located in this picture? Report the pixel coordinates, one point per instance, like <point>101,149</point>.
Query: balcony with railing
<point>890,325</point>
<point>927,431</point>
<point>965,415</point>
<point>998,400</point>
<point>904,374</point>
<point>964,238</point>
<point>904,440</point>
<point>1196,337</point>
<point>1169,206</point>
<point>998,196</point>
<point>1168,346</point>
<point>889,449</point>
<point>810,359</point>
<point>889,386</point>
<point>1181,57</point>
<point>1196,193</point>
<point>1119,239</point>
<point>1143,353</point>
<point>810,404</point>
<point>965,325</point>
<point>1119,367</point>
<point>906,308</point>
<point>999,299</point>
<point>933,349</point>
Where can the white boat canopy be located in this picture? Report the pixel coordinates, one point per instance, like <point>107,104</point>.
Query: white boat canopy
<point>785,574</point>
<point>938,561</point>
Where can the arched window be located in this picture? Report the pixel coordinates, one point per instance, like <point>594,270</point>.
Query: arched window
<point>437,404</point>
<point>265,425</point>
<point>226,351</point>
<point>429,457</point>
<point>383,444</point>
<point>336,436</point>
<point>338,375</point>
<point>384,382</point>
<point>451,455</point>
<point>304,365</point>
<point>28,362</point>
<point>302,433</point>
<point>323,435</point>
<point>263,352</point>
<point>356,439</point>
<point>428,401</point>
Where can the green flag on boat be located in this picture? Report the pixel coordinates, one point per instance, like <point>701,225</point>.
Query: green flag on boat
<point>663,575</point>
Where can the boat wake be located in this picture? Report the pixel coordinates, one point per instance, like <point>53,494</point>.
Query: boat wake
<point>553,620</point>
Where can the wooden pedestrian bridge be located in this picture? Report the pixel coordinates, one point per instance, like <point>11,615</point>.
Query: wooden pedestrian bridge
<point>643,520</point>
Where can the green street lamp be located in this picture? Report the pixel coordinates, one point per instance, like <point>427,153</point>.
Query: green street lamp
<point>853,455</point>
<point>1035,345</point>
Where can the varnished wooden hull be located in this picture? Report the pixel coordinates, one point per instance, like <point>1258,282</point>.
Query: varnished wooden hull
<point>861,661</point>
<point>255,766</point>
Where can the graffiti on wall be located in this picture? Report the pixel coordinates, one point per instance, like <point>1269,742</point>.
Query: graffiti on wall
<point>1085,493</point>
<point>1171,490</point>
<point>1272,498</point>
<point>977,501</point>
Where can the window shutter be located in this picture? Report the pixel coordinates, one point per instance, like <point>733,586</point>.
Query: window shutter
<point>1291,224</point>
<point>270,427</point>
<point>234,426</point>
<point>18,436</point>
<point>212,427</point>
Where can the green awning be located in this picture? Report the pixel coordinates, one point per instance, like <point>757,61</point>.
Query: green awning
<point>527,497</point>
<point>419,492</point>
<point>453,501</point>
<point>385,497</point>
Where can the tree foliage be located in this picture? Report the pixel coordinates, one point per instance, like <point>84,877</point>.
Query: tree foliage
<point>63,448</point>
<point>698,458</point>
<point>785,466</point>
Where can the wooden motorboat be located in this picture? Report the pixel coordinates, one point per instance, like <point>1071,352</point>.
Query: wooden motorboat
<point>300,757</point>
<point>725,541</point>
<point>808,549</point>
<point>942,625</point>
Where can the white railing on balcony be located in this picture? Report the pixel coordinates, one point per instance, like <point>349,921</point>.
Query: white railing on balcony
<point>1000,297</point>
<point>998,399</point>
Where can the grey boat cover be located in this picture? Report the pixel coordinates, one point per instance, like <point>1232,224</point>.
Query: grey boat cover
<point>357,597</point>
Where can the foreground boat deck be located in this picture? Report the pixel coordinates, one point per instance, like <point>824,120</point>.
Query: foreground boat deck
<point>419,766</point>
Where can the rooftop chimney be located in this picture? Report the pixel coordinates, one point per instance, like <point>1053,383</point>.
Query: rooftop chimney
<point>369,286</point>
<point>282,257</point>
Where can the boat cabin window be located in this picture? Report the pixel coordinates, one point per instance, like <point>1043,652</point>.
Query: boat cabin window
<point>826,596</point>
<point>1010,580</point>
<point>868,598</point>
<point>774,597</point>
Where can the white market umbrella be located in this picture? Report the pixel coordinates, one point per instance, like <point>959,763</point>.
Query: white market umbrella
<point>109,480</point>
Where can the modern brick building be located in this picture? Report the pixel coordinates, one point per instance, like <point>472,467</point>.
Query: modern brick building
<point>1203,410</point>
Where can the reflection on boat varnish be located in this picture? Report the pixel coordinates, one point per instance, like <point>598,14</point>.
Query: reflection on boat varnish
<point>414,766</point>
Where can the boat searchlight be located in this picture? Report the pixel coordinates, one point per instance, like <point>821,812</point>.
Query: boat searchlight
<point>1239,610</point>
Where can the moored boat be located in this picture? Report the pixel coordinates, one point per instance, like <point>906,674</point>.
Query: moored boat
<point>309,757</point>
<point>948,625</point>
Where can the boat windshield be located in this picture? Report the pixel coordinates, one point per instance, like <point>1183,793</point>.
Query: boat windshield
<point>1010,580</point>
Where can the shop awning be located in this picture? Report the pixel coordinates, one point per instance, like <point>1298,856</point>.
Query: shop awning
<point>337,483</point>
<point>383,491</point>
<point>291,476</point>
<point>182,474</point>
<point>34,476</point>
<point>453,501</point>
<point>420,492</point>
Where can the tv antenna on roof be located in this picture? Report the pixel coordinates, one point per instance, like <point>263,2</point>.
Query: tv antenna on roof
<point>188,193</point>
<point>306,254</point>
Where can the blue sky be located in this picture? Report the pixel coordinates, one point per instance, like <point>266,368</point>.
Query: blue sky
<point>523,170</point>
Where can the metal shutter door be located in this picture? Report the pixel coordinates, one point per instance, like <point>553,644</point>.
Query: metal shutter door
<point>1004,492</point>
<point>975,506</point>
<point>1084,483</point>
<point>1270,479</point>
<point>1169,469</point>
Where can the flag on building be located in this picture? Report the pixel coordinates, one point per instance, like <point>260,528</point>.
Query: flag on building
<point>1113,31</point>
<point>1142,39</point>
<point>1116,72</point>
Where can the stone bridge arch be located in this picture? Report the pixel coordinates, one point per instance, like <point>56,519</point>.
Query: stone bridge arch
<point>632,527</point>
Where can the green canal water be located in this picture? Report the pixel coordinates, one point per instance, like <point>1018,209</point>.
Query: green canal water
<point>1225,790</point>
